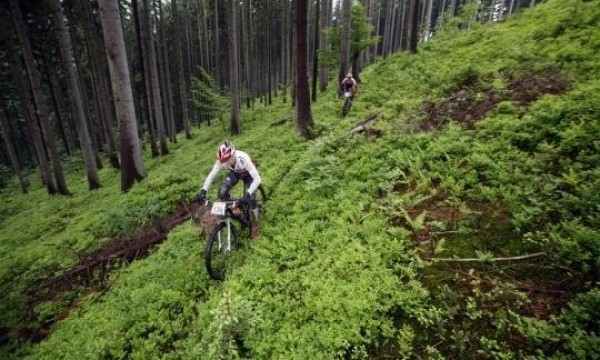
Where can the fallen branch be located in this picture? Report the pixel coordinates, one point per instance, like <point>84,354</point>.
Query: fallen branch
<point>362,125</point>
<point>520,257</point>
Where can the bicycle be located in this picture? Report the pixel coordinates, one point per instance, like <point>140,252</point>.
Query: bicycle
<point>347,103</point>
<point>224,239</point>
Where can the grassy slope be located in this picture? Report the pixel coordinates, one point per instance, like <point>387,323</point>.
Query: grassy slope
<point>330,277</point>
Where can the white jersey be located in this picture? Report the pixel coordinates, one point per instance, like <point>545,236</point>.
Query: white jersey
<point>242,164</point>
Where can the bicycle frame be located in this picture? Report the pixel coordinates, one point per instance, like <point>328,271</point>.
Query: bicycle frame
<point>224,239</point>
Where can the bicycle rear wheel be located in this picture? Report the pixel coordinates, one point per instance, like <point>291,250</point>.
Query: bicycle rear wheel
<point>222,245</point>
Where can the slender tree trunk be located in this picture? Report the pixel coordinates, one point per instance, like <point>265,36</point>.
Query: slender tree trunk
<point>146,103</point>
<point>285,43</point>
<point>10,144</point>
<point>402,31</point>
<point>217,44</point>
<point>58,101</point>
<point>72,74</point>
<point>180,71</point>
<point>96,140</point>
<point>378,49</point>
<point>154,81</point>
<point>246,46</point>
<point>28,108</point>
<point>131,152</point>
<point>233,68</point>
<point>388,28</point>
<point>345,44</point>
<point>39,99</point>
<point>315,64</point>
<point>97,56</point>
<point>427,29</point>
<point>304,120</point>
<point>205,43</point>
<point>323,42</point>
<point>294,49</point>
<point>166,71</point>
<point>269,49</point>
<point>395,27</point>
<point>414,26</point>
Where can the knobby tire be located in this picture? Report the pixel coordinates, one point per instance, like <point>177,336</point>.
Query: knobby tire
<point>346,107</point>
<point>216,259</point>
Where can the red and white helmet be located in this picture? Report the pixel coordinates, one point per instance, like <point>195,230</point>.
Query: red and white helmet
<point>225,151</point>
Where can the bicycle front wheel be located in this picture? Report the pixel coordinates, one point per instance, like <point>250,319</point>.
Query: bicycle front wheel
<point>346,107</point>
<point>222,245</point>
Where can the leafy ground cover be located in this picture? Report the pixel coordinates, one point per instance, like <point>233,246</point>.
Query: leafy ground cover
<point>397,243</point>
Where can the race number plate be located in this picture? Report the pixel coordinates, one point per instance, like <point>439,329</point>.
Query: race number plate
<point>218,208</point>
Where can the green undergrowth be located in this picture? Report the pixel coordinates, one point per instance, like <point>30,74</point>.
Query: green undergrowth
<point>364,237</point>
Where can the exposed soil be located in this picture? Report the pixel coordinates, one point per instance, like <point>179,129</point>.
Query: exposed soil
<point>471,104</point>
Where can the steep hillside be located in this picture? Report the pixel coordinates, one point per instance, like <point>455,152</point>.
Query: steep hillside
<point>463,224</point>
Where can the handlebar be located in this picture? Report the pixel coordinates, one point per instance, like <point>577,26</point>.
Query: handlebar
<point>229,204</point>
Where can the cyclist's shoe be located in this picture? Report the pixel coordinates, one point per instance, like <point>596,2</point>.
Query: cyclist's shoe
<point>255,232</point>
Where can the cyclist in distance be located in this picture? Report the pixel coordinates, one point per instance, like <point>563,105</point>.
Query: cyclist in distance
<point>349,84</point>
<point>240,167</point>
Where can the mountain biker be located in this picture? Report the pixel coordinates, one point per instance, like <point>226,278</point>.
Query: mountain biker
<point>241,168</point>
<point>349,84</point>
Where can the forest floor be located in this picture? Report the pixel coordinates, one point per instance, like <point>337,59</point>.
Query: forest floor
<point>466,106</point>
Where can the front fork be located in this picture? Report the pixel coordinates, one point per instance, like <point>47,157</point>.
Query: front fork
<point>225,244</point>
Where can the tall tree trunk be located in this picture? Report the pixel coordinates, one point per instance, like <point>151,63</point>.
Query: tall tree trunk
<point>154,81</point>
<point>10,144</point>
<point>269,46</point>
<point>97,55</point>
<point>345,38</point>
<point>58,101</point>
<point>131,152</point>
<point>387,32</point>
<point>413,18</point>
<point>304,120</point>
<point>427,28</point>
<point>204,39</point>
<point>293,52</point>
<point>166,72</point>
<point>77,50</point>
<point>217,45</point>
<point>377,48</point>
<point>146,104</point>
<point>402,31</point>
<point>246,46</point>
<point>233,68</point>
<point>97,58</point>
<point>323,42</point>
<point>315,64</point>
<point>285,46</point>
<point>72,74</point>
<point>27,105</point>
<point>39,99</point>
<point>180,71</point>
